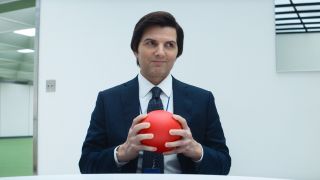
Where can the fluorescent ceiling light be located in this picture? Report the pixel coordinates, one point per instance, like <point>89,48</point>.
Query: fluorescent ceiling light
<point>293,30</point>
<point>282,9</point>
<point>290,26</point>
<point>312,25</point>
<point>309,14</point>
<point>25,50</point>
<point>27,32</point>
<point>318,29</point>
<point>313,7</point>
<point>286,15</point>
<point>304,1</point>
<point>311,20</point>
<point>282,2</point>
<point>289,21</point>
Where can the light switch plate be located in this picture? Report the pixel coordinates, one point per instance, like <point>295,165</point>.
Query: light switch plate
<point>51,85</point>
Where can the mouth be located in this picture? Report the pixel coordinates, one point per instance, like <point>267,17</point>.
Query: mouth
<point>158,63</point>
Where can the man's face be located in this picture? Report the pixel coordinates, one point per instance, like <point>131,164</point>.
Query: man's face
<point>157,52</point>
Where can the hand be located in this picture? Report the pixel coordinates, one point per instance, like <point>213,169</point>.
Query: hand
<point>187,145</point>
<point>130,149</point>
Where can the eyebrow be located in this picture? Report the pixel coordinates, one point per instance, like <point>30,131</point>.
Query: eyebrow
<point>173,42</point>
<point>150,39</point>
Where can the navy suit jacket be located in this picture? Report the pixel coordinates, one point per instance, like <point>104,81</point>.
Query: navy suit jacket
<point>117,107</point>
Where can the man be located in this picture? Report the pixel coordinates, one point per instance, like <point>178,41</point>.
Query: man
<point>112,144</point>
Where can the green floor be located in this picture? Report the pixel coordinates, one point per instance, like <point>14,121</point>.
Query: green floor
<point>16,156</point>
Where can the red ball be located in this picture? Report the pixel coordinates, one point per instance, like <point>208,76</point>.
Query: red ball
<point>160,123</point>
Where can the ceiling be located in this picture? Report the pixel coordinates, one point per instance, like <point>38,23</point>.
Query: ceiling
<point>297,16</point>
<point>16,15</point>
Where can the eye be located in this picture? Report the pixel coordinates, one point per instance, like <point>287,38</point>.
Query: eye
<point>150,43</point>
<point>170,45</point>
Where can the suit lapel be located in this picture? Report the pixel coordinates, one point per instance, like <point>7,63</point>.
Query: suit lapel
<point>131,108</point>
<point>130,102</point>
<point>182,104</point>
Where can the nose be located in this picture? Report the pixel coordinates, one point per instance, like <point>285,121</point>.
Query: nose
<point>160,51</point>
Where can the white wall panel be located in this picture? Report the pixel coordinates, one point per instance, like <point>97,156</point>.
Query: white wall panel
<point>15,114</point>
<point>298,52</point>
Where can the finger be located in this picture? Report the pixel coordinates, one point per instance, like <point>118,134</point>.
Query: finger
<point>139,118</point>
<point>176,144</point>
<point>138,127</point>
<point>180,132</point>
<point>146,148</point>
<point>141,137</point>
<point>181,120</point>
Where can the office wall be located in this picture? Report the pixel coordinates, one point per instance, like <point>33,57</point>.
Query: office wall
<point>271,119</point>
<point>16,105</point>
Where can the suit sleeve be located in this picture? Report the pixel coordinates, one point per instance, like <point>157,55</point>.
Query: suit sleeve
<point>97,154</point>
<point>216,158</point>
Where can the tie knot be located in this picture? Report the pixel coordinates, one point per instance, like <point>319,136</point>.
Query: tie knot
<point>156,91</point>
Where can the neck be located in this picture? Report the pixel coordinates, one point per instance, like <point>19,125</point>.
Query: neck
<point>154,80</point>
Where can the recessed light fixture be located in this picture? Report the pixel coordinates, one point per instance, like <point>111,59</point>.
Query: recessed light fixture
<point>26,32</point>
<point>25,50</point>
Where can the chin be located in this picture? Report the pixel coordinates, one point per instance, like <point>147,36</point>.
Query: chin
<point>159,74</point>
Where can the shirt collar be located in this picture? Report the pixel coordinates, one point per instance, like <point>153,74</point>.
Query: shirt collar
<point>145,86</point>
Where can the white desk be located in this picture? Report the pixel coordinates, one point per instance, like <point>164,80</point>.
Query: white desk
<point>134,177</point>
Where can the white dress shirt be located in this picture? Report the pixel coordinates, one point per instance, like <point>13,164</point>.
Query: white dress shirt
<point>171,163</point>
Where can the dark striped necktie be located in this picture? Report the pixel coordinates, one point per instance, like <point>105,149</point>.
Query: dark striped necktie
<point>153,162</point>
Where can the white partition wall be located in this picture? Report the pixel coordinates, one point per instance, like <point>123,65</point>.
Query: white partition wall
<point>16,102</point>
<point>270,119</point>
